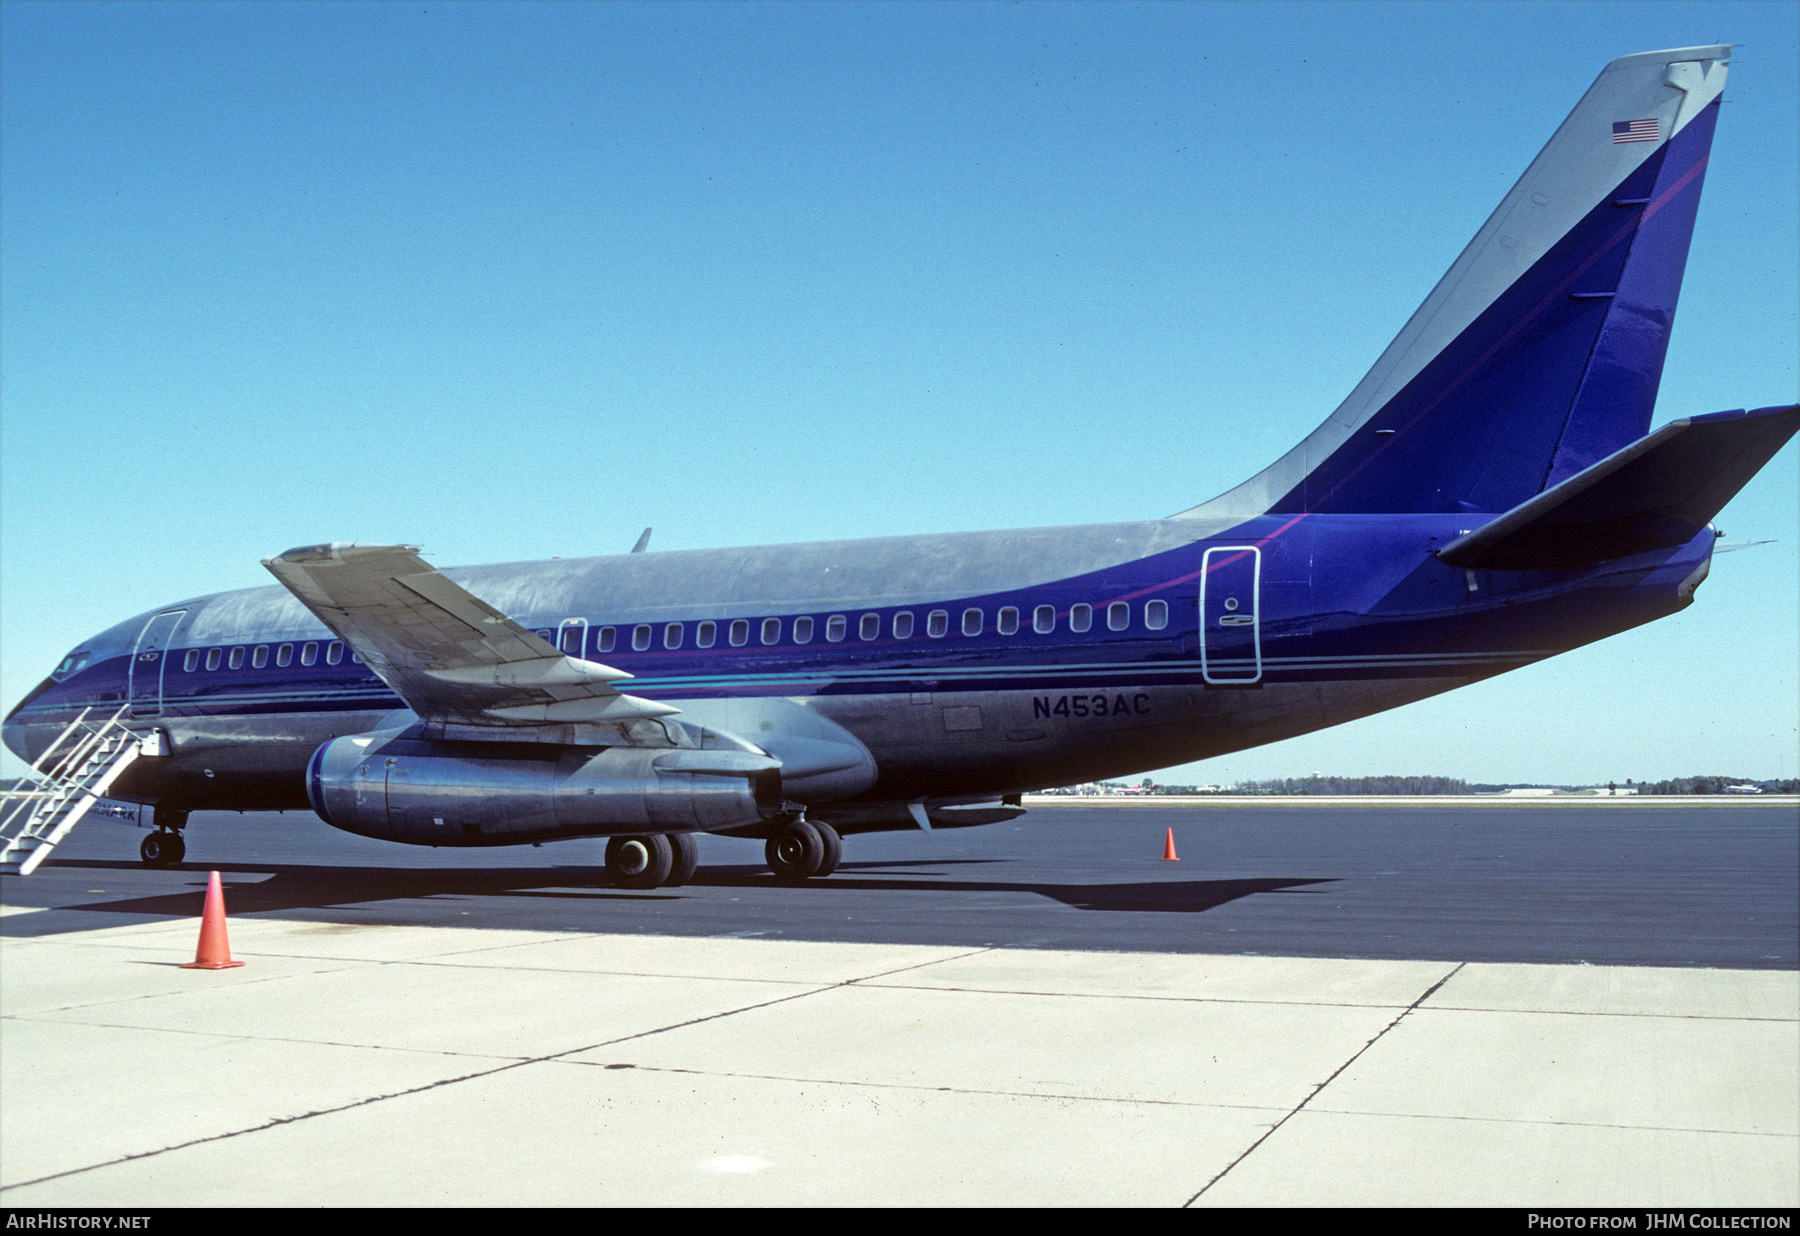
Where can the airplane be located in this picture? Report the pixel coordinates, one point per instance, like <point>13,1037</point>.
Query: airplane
<point>1489,495</point>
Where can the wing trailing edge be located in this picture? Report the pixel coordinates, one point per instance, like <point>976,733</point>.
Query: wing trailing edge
<point>450,655</point>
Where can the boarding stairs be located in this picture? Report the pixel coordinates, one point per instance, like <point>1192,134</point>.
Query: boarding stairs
<point>69,778</point>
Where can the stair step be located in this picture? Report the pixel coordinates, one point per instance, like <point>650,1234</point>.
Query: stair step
<point>72,774</point>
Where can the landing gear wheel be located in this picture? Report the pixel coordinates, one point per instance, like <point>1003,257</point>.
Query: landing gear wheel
<point>162,849</point>
<point>834,850</point>
<point>639,862</point>
<point>687,859</point>
<point>795,852</point>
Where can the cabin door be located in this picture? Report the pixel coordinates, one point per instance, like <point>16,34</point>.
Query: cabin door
<point>1230,615</point>
<point>149,660</point>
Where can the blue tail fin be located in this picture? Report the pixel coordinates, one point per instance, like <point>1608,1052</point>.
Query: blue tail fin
<point>1540,351</point>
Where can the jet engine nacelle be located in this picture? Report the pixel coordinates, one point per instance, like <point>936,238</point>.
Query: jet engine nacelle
<point>428,792</point>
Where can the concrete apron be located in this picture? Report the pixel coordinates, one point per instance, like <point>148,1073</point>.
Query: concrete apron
<point>377,1065</point>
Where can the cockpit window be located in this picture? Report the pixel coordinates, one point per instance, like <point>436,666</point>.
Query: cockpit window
<point>71,665</point>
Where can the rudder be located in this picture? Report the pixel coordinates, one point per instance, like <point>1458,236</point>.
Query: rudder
<point>1541,350</point>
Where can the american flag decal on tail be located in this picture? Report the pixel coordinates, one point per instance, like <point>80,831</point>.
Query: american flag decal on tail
<point>1635,131</point>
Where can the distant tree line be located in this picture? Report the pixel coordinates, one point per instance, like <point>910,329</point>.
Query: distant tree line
<point>1716,785</point>
<point>1341,786</point>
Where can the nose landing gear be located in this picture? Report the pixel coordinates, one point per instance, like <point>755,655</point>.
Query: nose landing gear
<point>162,849</point>
<point>166,846</point>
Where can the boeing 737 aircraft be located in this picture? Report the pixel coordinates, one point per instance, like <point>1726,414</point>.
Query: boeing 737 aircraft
<point>1488,496</point>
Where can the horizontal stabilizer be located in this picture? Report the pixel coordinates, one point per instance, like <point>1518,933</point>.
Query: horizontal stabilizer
<point>1658,492</point>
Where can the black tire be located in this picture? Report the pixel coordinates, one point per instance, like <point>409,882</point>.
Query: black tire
<point>639,862</point>
<point>795,852</point>
<point>162,849</point>
<point>687,859</point>
<point>834,850</point>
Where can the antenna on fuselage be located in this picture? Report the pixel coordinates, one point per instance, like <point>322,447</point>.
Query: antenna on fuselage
<point>643,542</point>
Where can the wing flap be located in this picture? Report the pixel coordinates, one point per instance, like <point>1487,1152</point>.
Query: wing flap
<point>450,655</point>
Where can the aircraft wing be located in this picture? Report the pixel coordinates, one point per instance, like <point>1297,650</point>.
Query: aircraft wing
<point>451,656</point>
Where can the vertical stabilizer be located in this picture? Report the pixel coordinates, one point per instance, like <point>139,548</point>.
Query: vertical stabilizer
<point>1541,349</point>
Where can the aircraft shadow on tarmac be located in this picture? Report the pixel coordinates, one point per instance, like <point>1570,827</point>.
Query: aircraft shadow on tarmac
<point>295,887</point>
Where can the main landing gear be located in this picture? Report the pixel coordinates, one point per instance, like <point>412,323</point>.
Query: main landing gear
<point>165,847</point>
<point>804,850</point>
<point>658,860</point>
<point>799,850</point>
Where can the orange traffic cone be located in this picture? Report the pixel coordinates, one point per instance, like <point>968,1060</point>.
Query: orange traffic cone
<point>214,952</point>
<point>1169,848</point>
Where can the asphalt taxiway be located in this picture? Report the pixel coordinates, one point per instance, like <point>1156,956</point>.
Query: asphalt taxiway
<point>1583,884</point>
<point>1375,1006</point>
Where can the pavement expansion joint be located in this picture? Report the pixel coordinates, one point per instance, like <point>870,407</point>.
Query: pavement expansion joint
<point>650,974</point>
<point>273,1123</point>
<point>242,1037</point>
<point>509,1065</point>
<point>1138,995</point>
<point>1318,1089</point>
<point>812,990</point>
<point>1060,1096</point>
<point>1472,1008</point>
<point>1538,1121</point>
<point>236,981</point>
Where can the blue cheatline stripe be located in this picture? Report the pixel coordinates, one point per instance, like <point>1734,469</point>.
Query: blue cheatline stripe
<point>1124,670</point>
<point>1296,669</point>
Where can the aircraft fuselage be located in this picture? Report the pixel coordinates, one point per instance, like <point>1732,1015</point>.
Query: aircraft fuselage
<point>969,666</point>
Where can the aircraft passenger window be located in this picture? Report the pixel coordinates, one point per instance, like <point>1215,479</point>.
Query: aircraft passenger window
<point>1156,615</point>
<point>640,637</point>
<point>937,623</point>
<point>237,659</point>
<point>803,630</point>
<point>903,623</point>
<point>1081,617</point>
<point>771,632</point>
<point>869,627</point>
<point>672,635</point>
<point>212,658</point>
<point>284,655</point>
<point>260,657</point>
<point>1118,616</point>
<point>836,627</point>
<point>570,639</point>
<point>543,635</point>
<point>334,652</point>
<point>309,653</point>
<point>356,658</point>
<point>971,622</point>
<point>193,659</point>
<point>1043,619</point>
<point>608,637</point>
<point>706,634</point>
<point>740,632</point>
<point>1008,623</point>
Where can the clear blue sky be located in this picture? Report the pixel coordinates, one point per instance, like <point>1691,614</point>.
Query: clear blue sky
<point>513,281</point>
